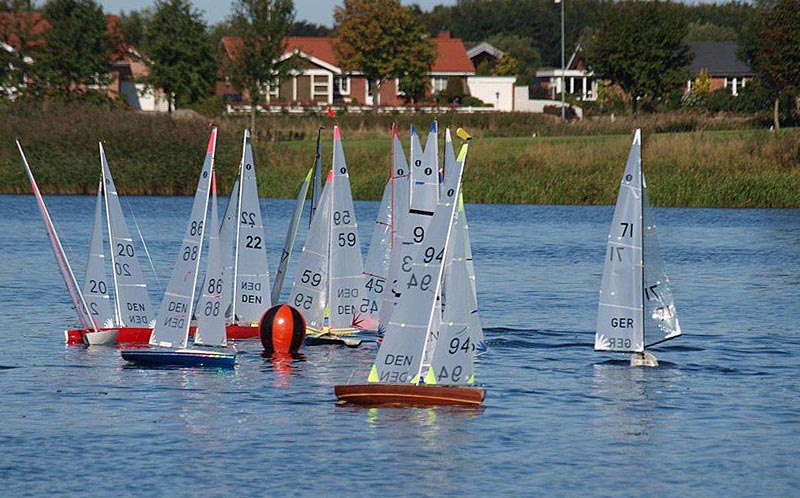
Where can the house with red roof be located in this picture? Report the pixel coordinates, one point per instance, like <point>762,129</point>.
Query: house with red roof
<point>319,79</point>
<point>125,63</point>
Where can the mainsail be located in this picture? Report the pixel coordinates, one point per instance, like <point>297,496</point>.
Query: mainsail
<point>95,284</point>
<point>310,289</point>
<point>210,313</point>
<point>172,326</point>
<point>346,265</point>
<point>133,306</point>
<point>291,237</point>
<point>399,359</point>
<point>376,266</point>
<point>226,233</point>
<point>400,205</point>
<point>251,294</point>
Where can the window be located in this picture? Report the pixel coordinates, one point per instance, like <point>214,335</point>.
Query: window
<point>341,84</point>
<point>272,89</point>
<point>397,90</point>
<point>439,84</point>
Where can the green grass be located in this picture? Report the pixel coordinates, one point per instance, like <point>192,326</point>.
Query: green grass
<point>155,154</point>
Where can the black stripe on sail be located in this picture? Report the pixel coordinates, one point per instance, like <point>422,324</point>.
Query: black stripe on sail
<point>419,211</point>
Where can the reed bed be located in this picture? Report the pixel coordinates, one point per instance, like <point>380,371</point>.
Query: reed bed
<point>160,155</point>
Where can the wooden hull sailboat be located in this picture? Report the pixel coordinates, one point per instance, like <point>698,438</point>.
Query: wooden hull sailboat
<point>408,395</point>
<point>427,354</point>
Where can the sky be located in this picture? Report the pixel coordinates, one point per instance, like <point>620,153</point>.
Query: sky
<point>316,11</point>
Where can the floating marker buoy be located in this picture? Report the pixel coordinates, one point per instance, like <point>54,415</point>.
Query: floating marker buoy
<point>283,329</point>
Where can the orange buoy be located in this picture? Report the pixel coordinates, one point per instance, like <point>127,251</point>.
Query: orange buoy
<point>283,329</point>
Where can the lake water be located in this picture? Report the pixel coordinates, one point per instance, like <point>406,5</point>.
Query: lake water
<point>719,417</point>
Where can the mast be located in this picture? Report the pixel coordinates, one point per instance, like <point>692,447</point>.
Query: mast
<point>66,270</point>
<point>641,237</point>
<point>238,229</point>
<point>317,190</point>
<point>117,304</point>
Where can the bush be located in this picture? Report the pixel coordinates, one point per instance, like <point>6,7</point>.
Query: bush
<point>470,101</point>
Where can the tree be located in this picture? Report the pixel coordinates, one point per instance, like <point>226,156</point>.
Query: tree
<point>773,48</point>
<point>133,26</point>
<point>507,65</point>
<point>18,35</point>
<point>263,26</point>
<point>74,56</point>
<point>383,40</point>
<point>178,54</point>
<point>639,46</point>
<point>522,50</point>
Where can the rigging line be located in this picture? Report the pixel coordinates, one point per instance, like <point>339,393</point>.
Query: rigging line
<point>144,244</point>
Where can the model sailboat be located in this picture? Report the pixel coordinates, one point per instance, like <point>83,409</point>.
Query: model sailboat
<point>401,374</point>
<point>78,299</point>
<point>636,309</point>
<point>329,276</point>
<point>130,320</point>
<point>171,330</point>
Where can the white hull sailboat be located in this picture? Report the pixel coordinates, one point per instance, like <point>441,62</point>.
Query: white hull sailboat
<point>411,369</point>
<point>329,276</point>
<point>636,309</point>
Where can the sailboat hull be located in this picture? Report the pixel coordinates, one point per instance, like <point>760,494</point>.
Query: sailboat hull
<point>408,395</point>
<point>238,332</point>
<point>124,335</point>
<point>179,358</point>
<point>128,335</point>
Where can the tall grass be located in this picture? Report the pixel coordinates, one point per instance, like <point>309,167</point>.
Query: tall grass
<point>156,154</point>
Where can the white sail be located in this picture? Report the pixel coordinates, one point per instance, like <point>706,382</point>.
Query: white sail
<point>346,264</point>
<point>424,172</point>
<point>376,266</point>
<point>475,323</point>
<point>455,346</point>
<point>291,236</point>
<point>210,313</point>
<point>310,287</point>
<point>63,263</point>
<point>172,326</point>
<point>399,359</point>
<point>95,283</point>
<point>620,312</point>
<point>251,292</point>
<point>660,317</point>
<point>400,205</point>
<point>133,308</point>
<point>226,233</point>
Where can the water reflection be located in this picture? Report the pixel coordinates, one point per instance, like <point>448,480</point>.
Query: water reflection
<point>628,398</point>
<point>282,364</point>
